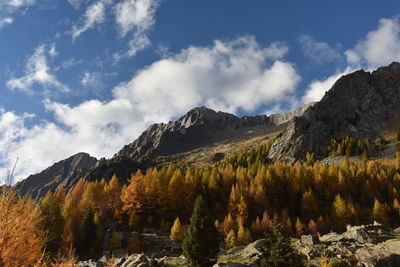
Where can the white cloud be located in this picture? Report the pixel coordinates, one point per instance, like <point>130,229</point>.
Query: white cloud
<point>53,51</point>
<point>10,8</point>
<point>95,14</point>
<point>135,17</point>
<point>317,88</point>
<point>380,47</point>
<point>95,127</point>
<point>319,52</point>
<point>76,3</point>
<point>37,71</point>
<point>227,76</point>
<point>6,21</point>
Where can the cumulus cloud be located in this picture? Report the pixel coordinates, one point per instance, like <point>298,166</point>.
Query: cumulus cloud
<point>37,71</point>
<point>95,14</point>
<point>380,47</point>
<point>317,88</point>
<point>135,17</point>
<point>95,127</point>
<point>319,52</point>
<point>228,76</point>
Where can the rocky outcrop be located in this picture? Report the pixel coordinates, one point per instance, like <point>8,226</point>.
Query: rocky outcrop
<point>66,172</point>
<point>360,104</point>
<point>201,127</point>
<point>386,254</point>
<point>286,117</point>
<point>367,245</point>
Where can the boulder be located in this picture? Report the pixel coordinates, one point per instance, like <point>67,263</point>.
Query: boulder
<point>309,240</point>
<point>359,235</point>
<point>136,260</point>
<point>249,254</point>
<point>397,230</point>
<point>331,237</point>
<point>386,254</point>
<point>90,263</point>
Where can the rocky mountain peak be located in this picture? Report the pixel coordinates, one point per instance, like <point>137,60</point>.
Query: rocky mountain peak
<point>201,115</point>
<point>66,172</point>
<point>200,127</point>
<point>360,104</point>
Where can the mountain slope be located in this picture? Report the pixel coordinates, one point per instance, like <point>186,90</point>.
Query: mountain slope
<point>202,127</point>
<point>66,172</point>
<point>360,104</point>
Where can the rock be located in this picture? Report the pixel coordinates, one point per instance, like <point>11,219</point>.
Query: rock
<point>308,240</point>
<point>381,255</point>
<point>198,128</point>
<point>331,237</point>
<point>359,235</point>
<point>249,254</point>
<point>90,263</point>
<point>397,230</point>
<point>173,261</point>
<point>136,260</point>
<point>66,172</point>
<point>360,104</point>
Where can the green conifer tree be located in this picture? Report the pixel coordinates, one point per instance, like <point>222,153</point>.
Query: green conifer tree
<point>200,245</point>
<point>87,236</point>
<point>278,250</point>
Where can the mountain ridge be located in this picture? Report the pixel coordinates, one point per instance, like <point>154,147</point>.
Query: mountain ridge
<point>361,104</point>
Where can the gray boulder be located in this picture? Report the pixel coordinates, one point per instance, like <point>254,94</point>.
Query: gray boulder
<point>386,254</point>
<point>136,260</point>
<point>309,240</point>
<point>248,255</point>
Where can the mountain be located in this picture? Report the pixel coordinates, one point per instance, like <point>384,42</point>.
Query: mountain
<point>201,127</point>
<point>66,172</point>
<point>361,104</point>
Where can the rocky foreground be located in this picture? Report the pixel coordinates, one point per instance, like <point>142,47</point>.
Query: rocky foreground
<point>365,245</point>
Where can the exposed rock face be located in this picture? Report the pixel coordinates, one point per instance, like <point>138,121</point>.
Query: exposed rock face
<point>361,104</point>
<point>286,117</point>
<point>66,172</point>
<point>198,128</point>
<point>386,254</point>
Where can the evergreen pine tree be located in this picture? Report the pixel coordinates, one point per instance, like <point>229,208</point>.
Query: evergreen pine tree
<point>200,245</point>
<point>87,236</point>
<point>278,250</point>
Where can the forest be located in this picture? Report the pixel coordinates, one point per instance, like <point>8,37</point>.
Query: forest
<point>244,193</point>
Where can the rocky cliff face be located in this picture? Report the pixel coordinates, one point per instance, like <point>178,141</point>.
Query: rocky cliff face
<point>361,104</point>
<point>286,117</point>
<point>198,128</point>
<point>66,172</point>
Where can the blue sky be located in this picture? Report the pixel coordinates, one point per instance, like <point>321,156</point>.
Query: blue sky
<point>91,75</point>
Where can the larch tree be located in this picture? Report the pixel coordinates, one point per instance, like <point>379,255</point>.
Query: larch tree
<point>177,231</point>
<point>22,238</point>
